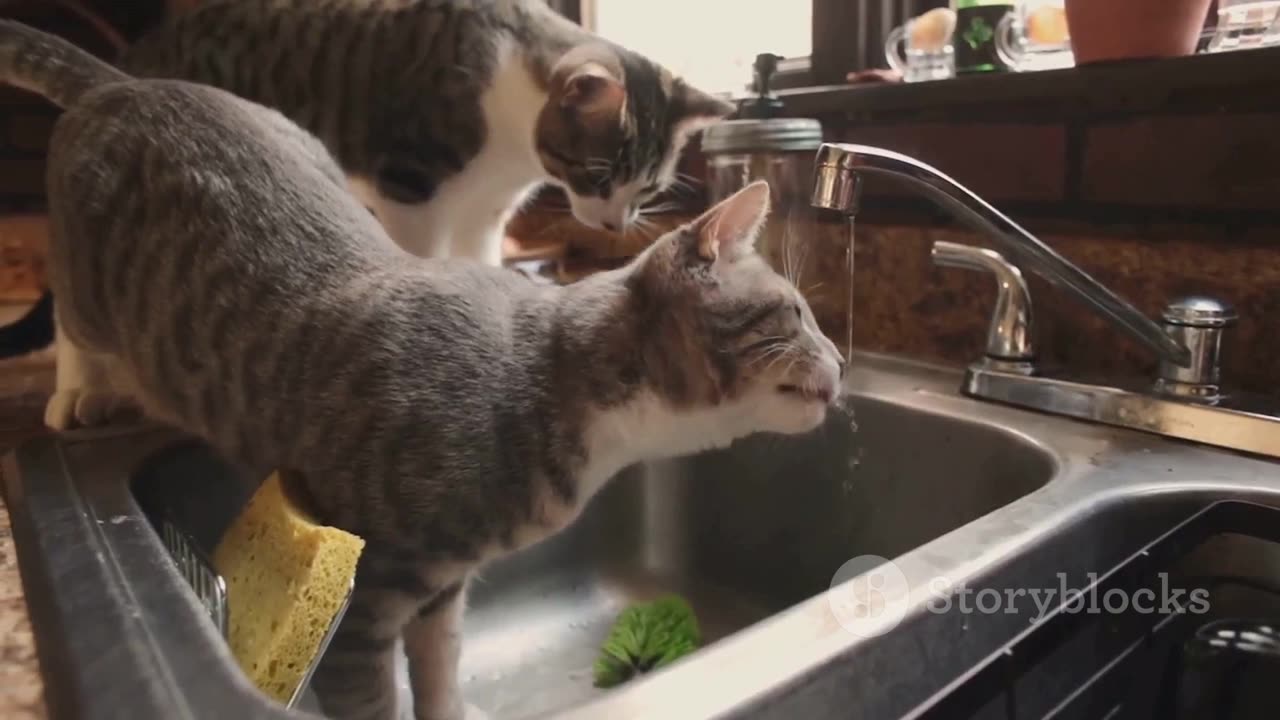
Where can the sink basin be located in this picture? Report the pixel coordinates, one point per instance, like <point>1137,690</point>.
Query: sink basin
<point>935,483</point>
<point>742,533</point>
<point>733,531</point>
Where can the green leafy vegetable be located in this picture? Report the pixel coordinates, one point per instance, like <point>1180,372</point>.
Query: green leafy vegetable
<point>646,637</point>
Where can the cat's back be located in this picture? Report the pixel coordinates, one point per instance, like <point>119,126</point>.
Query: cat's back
<point>371,78</point>
<point>197,142</point>
<point>295,53</point>
<point>203,194</point>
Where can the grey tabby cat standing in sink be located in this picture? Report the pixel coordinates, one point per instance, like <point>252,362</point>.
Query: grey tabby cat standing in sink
<point>445,115</point>
<point>445,410</point>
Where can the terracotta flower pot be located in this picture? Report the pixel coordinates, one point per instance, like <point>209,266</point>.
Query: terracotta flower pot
<point>1130,29</point>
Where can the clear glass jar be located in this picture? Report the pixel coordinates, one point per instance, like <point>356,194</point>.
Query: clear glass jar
<point>778,150</point>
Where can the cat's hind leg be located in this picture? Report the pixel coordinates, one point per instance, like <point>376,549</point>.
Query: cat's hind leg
<point>433,647</point>
<point>356,676</point>
<point>87,387</point>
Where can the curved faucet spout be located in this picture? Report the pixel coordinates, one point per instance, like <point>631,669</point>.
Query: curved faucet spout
<point>838,172</point>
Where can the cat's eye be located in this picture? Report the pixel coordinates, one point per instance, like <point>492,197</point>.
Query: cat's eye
<point>799,312</point>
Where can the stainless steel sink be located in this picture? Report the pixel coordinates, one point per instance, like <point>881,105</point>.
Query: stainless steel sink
<point>942,485</point>
<point>742,533</point>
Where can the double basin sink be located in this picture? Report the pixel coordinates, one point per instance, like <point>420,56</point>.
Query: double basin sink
<point>919,485</point>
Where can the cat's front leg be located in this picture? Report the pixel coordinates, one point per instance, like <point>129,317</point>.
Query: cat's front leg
<point>356,677</point>
<point>433,646</point>
<point>87,388</point>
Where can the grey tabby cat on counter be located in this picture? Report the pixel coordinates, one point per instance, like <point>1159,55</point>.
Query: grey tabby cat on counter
<point>444,114</point>
<point>447,411</point>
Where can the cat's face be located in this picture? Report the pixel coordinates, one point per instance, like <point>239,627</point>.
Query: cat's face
<point>730,331</point>
<point>612,131</point>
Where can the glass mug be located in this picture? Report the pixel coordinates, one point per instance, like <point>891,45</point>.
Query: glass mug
<point>1034,36</point>
<point>921,48</point>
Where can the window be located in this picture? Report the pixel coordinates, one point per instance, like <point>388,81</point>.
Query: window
<point>711,43</point>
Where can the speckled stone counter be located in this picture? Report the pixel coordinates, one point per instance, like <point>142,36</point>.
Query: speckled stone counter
<point>24,385</point>
<point>20,685</point>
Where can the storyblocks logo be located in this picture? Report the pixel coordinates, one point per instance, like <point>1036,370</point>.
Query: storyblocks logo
<point>869,595</point>
<point>1092,601</point>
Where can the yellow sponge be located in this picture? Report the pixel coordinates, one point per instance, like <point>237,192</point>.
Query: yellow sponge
<point>287,578</point>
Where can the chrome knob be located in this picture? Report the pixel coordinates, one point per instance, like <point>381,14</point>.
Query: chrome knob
<point>1197,323</point>
<point>1009,335</point>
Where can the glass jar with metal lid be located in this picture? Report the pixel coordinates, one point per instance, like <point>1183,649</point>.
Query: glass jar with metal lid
<point>761,144</point>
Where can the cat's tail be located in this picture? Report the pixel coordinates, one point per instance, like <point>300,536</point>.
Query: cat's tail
<point>46,64</point>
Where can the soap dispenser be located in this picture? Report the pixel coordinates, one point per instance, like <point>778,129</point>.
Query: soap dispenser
<point>760,142</point>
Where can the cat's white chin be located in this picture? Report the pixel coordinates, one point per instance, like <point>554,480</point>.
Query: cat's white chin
<point>614,214</point>
<point>806,419</point>
<point>789,413</point>
<point>800,408</point>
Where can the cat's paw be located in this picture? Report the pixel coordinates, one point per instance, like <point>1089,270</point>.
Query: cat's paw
<point>76,407</point>
<point>60,411</point>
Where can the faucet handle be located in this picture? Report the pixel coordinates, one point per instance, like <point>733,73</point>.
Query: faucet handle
<point>1009,336</point>
<point>1198,323</point>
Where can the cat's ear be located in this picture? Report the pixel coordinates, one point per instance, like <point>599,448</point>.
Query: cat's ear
<point>585,81</point>
<point>700,109</point>
<point>730,228</point>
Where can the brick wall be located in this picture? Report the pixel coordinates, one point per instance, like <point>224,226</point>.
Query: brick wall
<point>1155,204</point>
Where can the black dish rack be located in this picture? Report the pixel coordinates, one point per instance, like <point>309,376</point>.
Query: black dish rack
<point>1183,663</point>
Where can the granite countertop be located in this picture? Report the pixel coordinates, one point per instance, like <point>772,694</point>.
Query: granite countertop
<point>24,385</point>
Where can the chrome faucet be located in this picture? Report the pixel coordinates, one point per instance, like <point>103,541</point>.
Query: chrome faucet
<point>1187,400</point>
<point>839,171</point>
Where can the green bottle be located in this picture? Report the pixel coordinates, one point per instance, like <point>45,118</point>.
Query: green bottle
<point>974,41</point>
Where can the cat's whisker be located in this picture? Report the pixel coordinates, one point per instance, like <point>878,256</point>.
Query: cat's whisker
<point>682,187</point>
<point>660,208</point>
<point>644,227</point>
<point>791,365</point>
<point>798,261</point>
<point>784,258</point>
<point>764,343</point>
<point>773,346</point>
<point>773,352</point>
<point>788,353</point>
<point>804,258</point>
<point>789,244</point>
<point>762,355</point>
<point>787,264</point>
